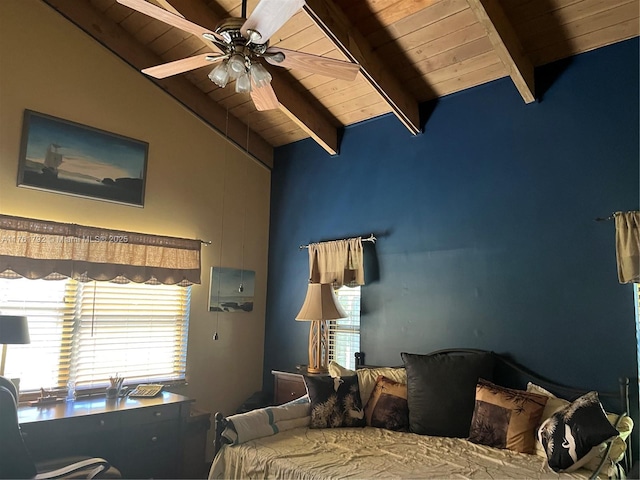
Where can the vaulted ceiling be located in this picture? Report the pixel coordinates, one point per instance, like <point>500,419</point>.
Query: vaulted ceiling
<point>408,51</point>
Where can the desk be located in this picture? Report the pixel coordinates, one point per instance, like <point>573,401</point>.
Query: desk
<point>142,437</point>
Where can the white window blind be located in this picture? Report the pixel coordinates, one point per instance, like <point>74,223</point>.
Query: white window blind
<point>88,332</point>
<point>344,334</point>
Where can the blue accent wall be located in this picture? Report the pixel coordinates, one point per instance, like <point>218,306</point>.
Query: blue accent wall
<point>486,225</point>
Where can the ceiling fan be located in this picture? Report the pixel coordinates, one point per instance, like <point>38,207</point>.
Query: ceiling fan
<point>239,44</point>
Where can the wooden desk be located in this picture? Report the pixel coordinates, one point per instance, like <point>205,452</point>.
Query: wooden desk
<point>142,437</point>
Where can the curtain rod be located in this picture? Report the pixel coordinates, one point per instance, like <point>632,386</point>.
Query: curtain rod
<point>206,243</point>
<point>370,238</point>
<point>604,219</point>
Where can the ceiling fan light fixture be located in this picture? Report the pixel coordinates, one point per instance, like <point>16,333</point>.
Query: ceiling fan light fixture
<point>243,83</point>
<point>260,75</point>
<point>236,65</point>
<point>220,75</point>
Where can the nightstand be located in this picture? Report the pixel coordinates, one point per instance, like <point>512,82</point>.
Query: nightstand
<point>289,384</point>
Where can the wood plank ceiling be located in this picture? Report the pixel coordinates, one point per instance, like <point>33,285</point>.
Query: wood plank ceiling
<point>409,52</point>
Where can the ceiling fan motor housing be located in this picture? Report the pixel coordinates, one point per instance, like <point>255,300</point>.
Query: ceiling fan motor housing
<point>230,30</point>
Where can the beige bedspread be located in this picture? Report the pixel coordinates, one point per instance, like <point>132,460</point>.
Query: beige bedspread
<point>304,453</point>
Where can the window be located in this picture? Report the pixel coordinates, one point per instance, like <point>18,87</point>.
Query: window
<point>344,334</point>
<point>88,332</point>
<point>636,296</point>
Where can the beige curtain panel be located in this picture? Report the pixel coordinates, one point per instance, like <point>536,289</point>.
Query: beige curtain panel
<point>339,262</point>
<point>628,246</point>
<point>39,249</point>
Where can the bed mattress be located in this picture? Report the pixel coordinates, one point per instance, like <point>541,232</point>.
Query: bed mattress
<point>304,453</point>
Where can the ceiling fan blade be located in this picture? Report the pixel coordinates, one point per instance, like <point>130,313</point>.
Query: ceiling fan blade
<point>264,98</point>
<point>314,64</point>
<point>269,16</point>
<point>169,18</point>
<point>180,66</point>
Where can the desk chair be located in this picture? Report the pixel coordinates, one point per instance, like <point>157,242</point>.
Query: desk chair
<point>15,461</point>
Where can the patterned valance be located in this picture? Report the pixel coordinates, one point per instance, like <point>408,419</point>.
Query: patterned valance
<point>49,250</point>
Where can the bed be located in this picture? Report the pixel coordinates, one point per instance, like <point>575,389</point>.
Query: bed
<point>456,413</point>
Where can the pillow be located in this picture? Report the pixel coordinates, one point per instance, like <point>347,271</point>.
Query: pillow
<point>387,407</point>
<point>267,421</point>
<point>553,405</point>
<point>441,391</point>
<point>337,370</point>
<point>335,402</point>
<point>506,418</point>
<point>571,432</point>
<point>367,377</point>
<point>619,447</point>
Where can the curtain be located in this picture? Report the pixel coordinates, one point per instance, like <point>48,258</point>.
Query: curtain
<point>40,249</point>
<point>339,262</point>
<point>628,246</point>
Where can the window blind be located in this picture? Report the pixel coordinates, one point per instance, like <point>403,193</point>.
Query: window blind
<point>88,332</point>
<point>344,333</point>
<point>45,361</point>
<point>133,330</point>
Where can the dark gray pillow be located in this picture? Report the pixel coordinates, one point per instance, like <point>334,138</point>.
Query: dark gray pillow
<point>441,391</point>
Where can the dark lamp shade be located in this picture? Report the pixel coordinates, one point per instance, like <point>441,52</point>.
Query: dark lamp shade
<point>14,329</point>
<point>321,303</point>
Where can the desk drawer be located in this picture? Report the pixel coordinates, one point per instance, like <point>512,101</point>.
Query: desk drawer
<point>71,426</point>
<point>151,435</point>
<point>91,435</point>
<point>158,413</point>
<point>151,450</point>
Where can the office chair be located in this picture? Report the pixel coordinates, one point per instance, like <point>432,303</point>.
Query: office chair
<point>15,461</point>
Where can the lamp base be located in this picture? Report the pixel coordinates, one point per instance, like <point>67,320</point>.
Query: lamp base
<point>317,370</point>
<point>318,347</point>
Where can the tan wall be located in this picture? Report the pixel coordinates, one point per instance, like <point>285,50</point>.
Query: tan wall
<point>193,174</point>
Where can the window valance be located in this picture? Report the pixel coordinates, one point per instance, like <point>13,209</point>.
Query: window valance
<point>49,250</point>
<point>339,262</point>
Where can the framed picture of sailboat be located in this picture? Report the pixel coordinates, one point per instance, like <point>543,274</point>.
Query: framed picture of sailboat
<point>62,156</point>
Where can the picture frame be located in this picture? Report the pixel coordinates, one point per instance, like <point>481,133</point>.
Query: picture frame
<point>231,290</point>
<point>66,157</point>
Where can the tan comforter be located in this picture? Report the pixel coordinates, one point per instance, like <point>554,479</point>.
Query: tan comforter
<point>364,453</point>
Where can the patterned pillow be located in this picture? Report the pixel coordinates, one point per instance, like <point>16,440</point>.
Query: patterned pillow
<point>387,407</point>
<point>570,433</point>
<point>367,377</point>
<point>506,418</point>
<point>335,402</point>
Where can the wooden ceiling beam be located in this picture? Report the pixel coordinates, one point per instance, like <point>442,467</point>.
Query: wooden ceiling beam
<point>115,38</point>
<point>338,28</point>
<point>507,45</point>
<point>313,121</point>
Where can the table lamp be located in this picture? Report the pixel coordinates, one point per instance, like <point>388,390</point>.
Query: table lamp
<point>13,330</point>
<point>320,305</point>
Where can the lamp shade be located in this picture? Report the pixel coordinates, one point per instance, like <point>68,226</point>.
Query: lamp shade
<point>320,303</point>
<point>14,329</point>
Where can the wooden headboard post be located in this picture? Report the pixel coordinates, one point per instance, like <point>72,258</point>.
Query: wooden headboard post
<point>220,423</point>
